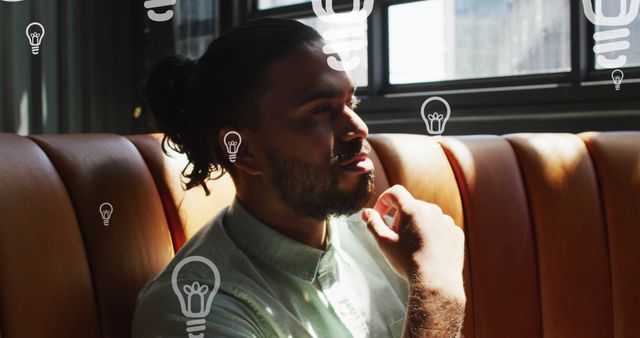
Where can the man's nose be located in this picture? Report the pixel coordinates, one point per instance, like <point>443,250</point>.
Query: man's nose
<point>351,126</point>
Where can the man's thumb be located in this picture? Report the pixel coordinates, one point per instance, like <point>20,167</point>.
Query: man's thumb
<point>377,226</point>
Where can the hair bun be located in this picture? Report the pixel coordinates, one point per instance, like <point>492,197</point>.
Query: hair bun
<point>166,93</point>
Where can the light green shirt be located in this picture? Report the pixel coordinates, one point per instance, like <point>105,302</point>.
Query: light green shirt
<point>273,286</point>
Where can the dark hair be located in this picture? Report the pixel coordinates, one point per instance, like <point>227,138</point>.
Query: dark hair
<point>192,100</point>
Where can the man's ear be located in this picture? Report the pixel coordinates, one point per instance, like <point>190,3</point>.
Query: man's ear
<point>237,148</point>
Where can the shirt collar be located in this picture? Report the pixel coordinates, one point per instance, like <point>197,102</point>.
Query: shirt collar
<point>269,246</point>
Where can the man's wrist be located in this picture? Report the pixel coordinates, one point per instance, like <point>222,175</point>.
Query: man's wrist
<point>434,310</point>
<point>444,284</point>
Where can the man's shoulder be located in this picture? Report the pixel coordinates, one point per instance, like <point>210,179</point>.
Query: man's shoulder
<point>209,263</point>
<point>207,255</point>
<point>164,311</point>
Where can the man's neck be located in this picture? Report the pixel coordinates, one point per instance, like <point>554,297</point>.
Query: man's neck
<point>281,218</point>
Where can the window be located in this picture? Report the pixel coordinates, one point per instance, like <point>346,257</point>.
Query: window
<point>474,51</point>
<point>439,40</point>
<point>195,26</point>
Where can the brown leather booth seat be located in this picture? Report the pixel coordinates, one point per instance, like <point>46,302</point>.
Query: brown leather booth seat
<point>552,226</point>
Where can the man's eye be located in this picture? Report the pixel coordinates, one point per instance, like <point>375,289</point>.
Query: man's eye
<point>327,108</point>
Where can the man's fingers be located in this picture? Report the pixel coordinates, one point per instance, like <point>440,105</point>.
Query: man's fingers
<point>377,226</point>
<point>394,197</point>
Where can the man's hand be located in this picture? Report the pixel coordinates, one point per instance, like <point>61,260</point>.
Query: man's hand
<point>426,248</point>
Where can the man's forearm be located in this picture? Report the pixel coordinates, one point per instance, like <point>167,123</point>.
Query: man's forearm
<point>432,313</point>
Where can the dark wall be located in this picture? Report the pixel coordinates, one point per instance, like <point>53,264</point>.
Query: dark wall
<point>90,69</point>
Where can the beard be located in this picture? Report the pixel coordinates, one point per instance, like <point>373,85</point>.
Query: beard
<point>313,190</point>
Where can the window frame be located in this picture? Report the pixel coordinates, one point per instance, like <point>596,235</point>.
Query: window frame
<point>583,87</point>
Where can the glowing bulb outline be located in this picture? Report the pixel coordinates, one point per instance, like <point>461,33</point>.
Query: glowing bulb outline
<point>617,80</point>
<point>106,210</point>
<point>197,323</point>
<point>442,119</point>
<point>35,38</point>
<point>232,148</point>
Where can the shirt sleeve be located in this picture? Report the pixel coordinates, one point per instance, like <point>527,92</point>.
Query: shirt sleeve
<point>229,317</point>
<point>158,315</point>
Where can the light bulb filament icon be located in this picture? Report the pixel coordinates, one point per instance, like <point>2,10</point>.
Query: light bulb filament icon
<point>35,33</point>
<point>106,209</point>
<point>233,146</point>
<point>232,141</point>
<point>617,76</point>
<point>195,299</point>
<point>435,122</point>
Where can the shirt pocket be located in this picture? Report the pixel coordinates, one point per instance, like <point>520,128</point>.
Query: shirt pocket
<point>396,327</point>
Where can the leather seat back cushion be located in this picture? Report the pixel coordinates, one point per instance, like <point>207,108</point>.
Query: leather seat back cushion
<point>571,235</point>
<point>551,224</point>
<point>616,158</point>
<point>98,168</point>
<point>500,239</point>
<point>45,279</point>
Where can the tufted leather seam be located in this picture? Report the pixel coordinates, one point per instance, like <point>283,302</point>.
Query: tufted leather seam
<point>597,175</point>
<point>463,191</point>
<point>43,146</point>
<point>534,235</point>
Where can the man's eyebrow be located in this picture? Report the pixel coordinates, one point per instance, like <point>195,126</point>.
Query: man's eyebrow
<point>323,94</point>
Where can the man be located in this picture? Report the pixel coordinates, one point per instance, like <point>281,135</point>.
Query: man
<point>293,253</point>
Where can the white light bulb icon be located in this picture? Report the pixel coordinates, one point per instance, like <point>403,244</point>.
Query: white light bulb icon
<point>106,209</point>
<point>339,38</point>
<point>35,33</point>
<point>603,38</point>
<point>195,298</point>
<point>435,121</point>
<point>617,76</point>
<point>160,17</point>
<point>232,144</point>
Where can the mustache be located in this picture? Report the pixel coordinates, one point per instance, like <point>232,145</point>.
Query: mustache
<point>350,151</point>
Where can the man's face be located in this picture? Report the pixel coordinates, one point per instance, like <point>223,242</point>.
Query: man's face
<point>313,145</point>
